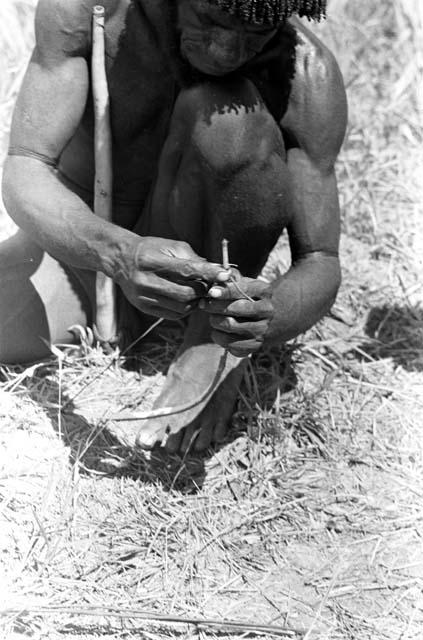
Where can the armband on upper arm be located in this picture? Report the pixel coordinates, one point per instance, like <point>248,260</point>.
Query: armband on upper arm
<point>17,150</point>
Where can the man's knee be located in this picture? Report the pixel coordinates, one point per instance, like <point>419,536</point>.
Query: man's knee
<point>230,126</point>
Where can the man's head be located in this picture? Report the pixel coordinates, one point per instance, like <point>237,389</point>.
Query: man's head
<point>218,37</point>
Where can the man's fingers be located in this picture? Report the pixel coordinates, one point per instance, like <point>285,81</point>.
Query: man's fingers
<point>243,289</point>
<point>163,310</point>
<point>152,285</point>
<point>231,325</point>
<point>236,345</point>
<point>163,302</point>
<point>239,308</point>
<point>182,269</point>
<point>160,312</point>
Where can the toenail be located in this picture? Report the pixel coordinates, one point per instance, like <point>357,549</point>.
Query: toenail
<point>146,440</point>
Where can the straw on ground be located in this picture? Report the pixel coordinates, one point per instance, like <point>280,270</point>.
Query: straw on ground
<point>309,517</point>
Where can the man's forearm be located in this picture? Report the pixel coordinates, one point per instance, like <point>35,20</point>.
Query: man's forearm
<point>59,221</point>
<point>303,295</point>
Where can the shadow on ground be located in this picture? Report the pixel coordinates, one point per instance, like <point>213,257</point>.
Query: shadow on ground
<point>97,450</point>
<point>396,332</point>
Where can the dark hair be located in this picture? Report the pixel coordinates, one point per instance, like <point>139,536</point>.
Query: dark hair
<point>272,12</point>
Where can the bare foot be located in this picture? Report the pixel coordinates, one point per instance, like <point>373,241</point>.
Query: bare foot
<point>192,380</point>
<point>203,377</point>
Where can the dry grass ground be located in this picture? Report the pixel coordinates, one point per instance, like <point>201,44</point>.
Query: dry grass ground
<point>309,518</point>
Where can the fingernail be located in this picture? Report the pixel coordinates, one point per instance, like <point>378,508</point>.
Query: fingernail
<point>214,292</point>
<point>223,276</point>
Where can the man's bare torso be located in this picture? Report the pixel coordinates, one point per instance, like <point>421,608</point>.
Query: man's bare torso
<point>140,35</point>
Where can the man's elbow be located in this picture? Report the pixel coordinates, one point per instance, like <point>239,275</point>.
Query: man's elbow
<point>322,272</point>
<point>334,281</point>
<point>17,186</point>
<point>321,279</point>
<point>331,279</point>
<point>8,190</point>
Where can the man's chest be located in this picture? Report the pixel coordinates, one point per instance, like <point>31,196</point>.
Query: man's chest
<point>141,85</point>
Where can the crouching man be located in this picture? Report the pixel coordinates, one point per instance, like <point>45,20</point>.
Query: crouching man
<point>227,118</point>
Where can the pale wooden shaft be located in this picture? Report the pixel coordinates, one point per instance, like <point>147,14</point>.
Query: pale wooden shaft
<point>103,183</point>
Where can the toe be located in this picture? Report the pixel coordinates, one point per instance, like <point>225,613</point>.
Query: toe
<point>189,438</point>
<point>173,443</point>
<point>204,438</point>
<point>149,435</point>
<point>146,440</point>
<point>220,430</point>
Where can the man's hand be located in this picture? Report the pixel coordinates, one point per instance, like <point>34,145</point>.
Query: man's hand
<point>166,278</point>
<point>240,314</point>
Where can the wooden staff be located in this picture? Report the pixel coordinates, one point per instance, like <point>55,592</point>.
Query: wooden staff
<point>105,317</point>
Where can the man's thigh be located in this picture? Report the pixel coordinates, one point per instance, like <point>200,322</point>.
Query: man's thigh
<point>39,300</point>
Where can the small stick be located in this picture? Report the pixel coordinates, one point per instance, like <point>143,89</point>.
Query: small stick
<point>225,254</point>
<point>162,412</point>
<point>227,265</point>
<point>152,616</point>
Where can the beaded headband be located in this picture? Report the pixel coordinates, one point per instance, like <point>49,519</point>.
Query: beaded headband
<point>272,12</point>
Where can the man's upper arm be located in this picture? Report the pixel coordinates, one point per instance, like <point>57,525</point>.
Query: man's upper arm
<point>52,99</point>
<point>314,126</point>
<point>316,118</point>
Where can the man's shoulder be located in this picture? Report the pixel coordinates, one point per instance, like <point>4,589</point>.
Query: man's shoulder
<point>317,105</point>
<point>316,70</point>
<point>65,25</point>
